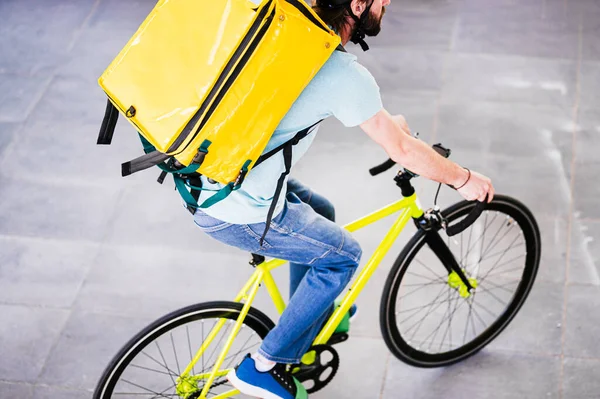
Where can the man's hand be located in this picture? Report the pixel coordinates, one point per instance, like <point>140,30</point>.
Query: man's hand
<point>478,187</point>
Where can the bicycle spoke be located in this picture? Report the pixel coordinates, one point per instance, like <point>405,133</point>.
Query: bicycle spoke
<point>425,278</point>
<point>501,238</point>
<point>220,340</point>
<point>500,273</point>
<point>175,353</point>
<point>156,394</point>
<point>171,372</point>
<point>420,322</point>
<point>496,286</point>
<point>449,328</point>
<point>428,268</point>
<point>187,331</point>
<point>500,252</point>
<point>149,369</point>
<point>420,307</point>
<point>508,262</point>
<point>456,307</point>
<point>480,237</point>
<point>486,309</point>
<point>500,258</point>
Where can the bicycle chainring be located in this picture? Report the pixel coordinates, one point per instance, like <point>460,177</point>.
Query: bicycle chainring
<point>321,372</point>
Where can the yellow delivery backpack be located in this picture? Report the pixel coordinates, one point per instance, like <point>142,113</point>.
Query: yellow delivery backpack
<point>206,83</point>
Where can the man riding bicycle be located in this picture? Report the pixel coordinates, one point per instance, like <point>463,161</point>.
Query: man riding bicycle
<point>322,255</point>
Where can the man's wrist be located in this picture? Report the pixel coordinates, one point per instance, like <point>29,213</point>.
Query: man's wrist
<point>461,176</point>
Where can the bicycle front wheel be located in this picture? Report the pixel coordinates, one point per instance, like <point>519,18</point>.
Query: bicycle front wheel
<point>428,317</point>
<point>151,363</point>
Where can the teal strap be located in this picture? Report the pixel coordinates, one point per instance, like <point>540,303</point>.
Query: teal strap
<point>219,195</point>
<point>228,189</point>
<point>185,194</point>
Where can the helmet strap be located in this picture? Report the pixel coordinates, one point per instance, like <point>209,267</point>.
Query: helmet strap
<point>358,36</point>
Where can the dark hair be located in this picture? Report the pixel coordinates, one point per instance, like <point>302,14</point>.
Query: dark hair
<point>335,17</point>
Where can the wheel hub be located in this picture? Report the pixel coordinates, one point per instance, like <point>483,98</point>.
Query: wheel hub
<point>455,282</point>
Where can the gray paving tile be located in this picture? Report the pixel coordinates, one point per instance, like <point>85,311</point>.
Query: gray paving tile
<point>581,330</point>
<point>581,378</point>
<point>489,374</point>
<point>537,326</point>
<point>553,262</point>
<point>94,49</point>
<point>87,336</point>
<point>585,253</point>
<point>26,338</point>
<point>43,273</point>
<point>39,49</point>
<point>540,29</point>
<point>590,84</point>
<point>590,15</point>
<point>165,278</point>
<point>18,95</point>
<point>15,390</point>
<point>51,392</point>
<point>153,214</point>
<point>522,131</point>
<point>476,77</point>
<point>53,211</point>
<point>434,21</point>
<point>7,132</point>
<point>351,379</point>
<point>65,147</point>
<point>586,194</point>
<point>402,69</point>
<point>588,139</point>
<point>500,140</point>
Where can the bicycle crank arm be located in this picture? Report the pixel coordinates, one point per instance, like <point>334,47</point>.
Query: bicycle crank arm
<point>441,250</point>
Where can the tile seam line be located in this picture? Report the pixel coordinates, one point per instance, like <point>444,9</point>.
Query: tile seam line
<point>9,149</point>
<point>575,118</point>
<point>84,24</point>
<point>385,373</point>
<point>439,92</point>
<point>513,56</point>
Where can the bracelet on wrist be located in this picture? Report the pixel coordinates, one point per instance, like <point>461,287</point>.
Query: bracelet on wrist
<point>466,181</point>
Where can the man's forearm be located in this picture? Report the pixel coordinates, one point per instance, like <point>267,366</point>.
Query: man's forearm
<point>420,158</point>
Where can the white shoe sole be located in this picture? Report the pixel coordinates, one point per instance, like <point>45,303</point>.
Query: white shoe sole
<point>248,389</point>
<point>351,319</point>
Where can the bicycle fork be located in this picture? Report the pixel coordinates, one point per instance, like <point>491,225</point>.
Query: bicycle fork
<point>456,276</point>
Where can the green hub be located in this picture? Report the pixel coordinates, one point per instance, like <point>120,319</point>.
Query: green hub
<point>455,282</point>
<point>187,385</point>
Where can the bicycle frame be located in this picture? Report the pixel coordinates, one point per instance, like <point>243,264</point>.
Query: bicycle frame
<point>408,207</point>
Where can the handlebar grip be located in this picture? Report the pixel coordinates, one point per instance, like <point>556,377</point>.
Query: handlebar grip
<point>382,168</point>
<point>468,221</point>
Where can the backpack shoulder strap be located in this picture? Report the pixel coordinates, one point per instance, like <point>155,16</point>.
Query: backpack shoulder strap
<point>108,124</point>
<point>287,159</point>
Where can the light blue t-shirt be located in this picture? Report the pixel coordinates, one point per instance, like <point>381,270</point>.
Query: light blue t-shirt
<point>342,88</point>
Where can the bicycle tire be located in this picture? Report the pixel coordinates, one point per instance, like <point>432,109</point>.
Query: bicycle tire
<point>257,321</point>
<point>415,356</point>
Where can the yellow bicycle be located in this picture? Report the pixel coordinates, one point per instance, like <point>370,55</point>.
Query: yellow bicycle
<point>455,286</point>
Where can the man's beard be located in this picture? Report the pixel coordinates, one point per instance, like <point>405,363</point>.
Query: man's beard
<point>372,25</point>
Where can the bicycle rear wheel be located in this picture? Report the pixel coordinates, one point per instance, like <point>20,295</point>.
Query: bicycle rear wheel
<point>428,318</point>
<point>149,365</point>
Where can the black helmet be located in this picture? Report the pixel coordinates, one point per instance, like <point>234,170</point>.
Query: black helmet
<point>358,37</point>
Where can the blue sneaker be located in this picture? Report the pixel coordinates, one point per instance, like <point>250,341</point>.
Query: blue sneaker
<point>276,383</point>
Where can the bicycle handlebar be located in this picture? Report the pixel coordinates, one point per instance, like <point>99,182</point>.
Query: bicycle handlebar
<point>387,165</point>
<point>468,221</point>
<point>455,228</point>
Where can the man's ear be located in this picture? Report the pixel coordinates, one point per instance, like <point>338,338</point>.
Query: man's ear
<point>358,7</point>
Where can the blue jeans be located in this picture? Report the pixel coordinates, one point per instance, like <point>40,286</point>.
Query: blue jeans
<point>323,257</point>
